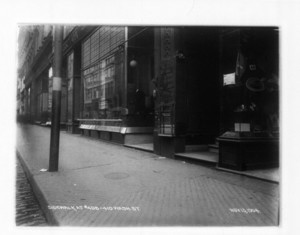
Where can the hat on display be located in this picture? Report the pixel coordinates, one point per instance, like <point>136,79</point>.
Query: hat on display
<point>255,84</point>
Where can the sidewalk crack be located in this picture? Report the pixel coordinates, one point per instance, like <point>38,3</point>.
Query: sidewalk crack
<point>87,167</point>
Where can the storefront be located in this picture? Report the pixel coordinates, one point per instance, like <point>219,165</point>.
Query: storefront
<point>102,63</point>
<point>187,88</point>
<point>218,86</point>
<point>250,98</point>
<point>72,78</point>
<point>41,98</point>
<point>116,73</point>
<point>180,88</point>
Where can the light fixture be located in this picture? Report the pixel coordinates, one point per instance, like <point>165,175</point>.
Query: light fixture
<point>133,63</point>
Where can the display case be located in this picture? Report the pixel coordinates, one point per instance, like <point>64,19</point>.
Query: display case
<point>250,99</point>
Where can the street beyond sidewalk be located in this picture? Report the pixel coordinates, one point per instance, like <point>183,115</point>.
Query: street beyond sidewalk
<point>103,184</point>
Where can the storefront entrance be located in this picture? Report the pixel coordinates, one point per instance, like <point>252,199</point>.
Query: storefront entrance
<point>187,106</point>
<point>200,71</point>
<point>201,74</point>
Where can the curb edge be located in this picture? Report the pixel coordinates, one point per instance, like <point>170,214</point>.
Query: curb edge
<point>50,217</point>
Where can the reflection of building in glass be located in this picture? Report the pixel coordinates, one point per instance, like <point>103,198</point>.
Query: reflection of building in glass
<point>99,65</point>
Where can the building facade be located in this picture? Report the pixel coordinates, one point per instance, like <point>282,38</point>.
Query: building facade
<point>173,88</point>
<point>35,47</point>
<point>218,86</point>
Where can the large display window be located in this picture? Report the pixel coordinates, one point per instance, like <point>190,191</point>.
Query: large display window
<point>250,81</point>
<point>102,63</point>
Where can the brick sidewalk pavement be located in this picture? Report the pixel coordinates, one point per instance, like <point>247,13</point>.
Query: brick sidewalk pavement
<point>102,184</point>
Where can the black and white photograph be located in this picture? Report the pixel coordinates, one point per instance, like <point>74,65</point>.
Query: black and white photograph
<point>151,124</point>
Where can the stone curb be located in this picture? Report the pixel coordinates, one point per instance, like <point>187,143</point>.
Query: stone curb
<point>247,175</point>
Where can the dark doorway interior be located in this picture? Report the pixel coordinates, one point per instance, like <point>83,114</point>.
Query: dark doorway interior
<point>201,46</point>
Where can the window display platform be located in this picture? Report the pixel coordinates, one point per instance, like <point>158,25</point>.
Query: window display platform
<point>242,152</point>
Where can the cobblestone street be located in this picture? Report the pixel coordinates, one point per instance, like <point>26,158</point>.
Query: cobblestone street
<point>28,211</point>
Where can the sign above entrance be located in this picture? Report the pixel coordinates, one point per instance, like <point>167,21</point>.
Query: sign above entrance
<point>229,79</point>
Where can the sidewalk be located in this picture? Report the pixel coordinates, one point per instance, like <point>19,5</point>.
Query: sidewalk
<point>103,184</point>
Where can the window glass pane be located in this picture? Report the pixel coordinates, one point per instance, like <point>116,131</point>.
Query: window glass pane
<point>99,52</point>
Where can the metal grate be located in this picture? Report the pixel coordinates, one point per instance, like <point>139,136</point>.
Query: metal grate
<point>166,120</point>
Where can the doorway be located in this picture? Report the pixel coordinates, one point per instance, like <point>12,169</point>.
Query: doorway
<point>202,85</point>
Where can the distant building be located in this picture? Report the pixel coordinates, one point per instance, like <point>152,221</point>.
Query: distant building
<point>35,47</point>
<point>180,88</point>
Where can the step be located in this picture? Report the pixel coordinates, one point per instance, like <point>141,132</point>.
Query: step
<point>196,148</point>
<point>148,147</point>
<point>201,156</point>
<point>213,148</point>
